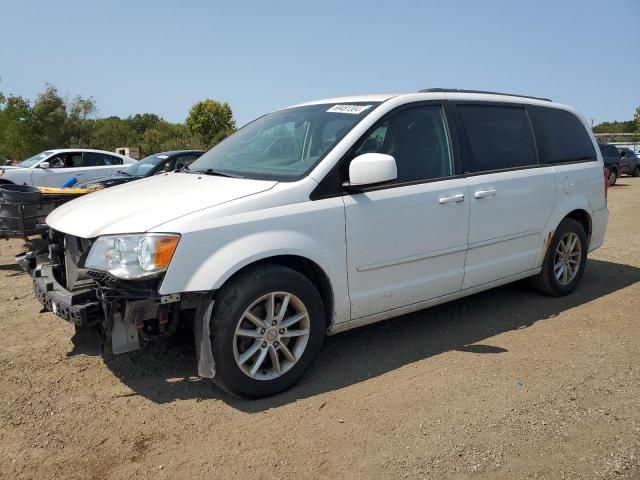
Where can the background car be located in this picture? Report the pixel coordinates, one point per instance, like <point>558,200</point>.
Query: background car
<point>151,165</point>
<point>52,168</point>
<point>629,162</point>
<point>611,159</point>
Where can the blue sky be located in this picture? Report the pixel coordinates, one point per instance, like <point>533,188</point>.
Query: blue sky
<point>162,56</point>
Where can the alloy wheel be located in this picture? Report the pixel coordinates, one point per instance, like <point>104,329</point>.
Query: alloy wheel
<point>567,258</point>
<point>271,336</point>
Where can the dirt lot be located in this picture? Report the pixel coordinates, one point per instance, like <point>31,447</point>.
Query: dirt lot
<point>504,384</point>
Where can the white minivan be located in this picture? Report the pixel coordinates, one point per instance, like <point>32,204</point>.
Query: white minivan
<point>326,216</point>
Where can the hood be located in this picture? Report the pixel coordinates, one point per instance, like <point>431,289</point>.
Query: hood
<point>110,181</point>
<point>141,205</point>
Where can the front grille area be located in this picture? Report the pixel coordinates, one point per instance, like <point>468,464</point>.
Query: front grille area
<point>75,253</point>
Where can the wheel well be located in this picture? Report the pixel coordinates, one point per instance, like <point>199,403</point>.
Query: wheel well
<point>5,182</point>
<point>309,269</point>
<point>584,219</point>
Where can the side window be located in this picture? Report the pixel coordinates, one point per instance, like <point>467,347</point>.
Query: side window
<point>65,160</point>
<point>561,136</point>
<point>499,137</point>
<point>92,159</point>
<point>114,160</point>
<point>181,161</point>
<point>417,138</point>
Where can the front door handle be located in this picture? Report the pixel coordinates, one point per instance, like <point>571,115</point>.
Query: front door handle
<point>453,199</point>
<point>484,193</point>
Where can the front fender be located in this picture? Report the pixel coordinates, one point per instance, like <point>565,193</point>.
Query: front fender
<point>207,258</point>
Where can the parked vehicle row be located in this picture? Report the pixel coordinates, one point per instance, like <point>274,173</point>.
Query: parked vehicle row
<point>152,165</point>
<point>619,161</point>
<point>325,216</point>
<point>52,168</point>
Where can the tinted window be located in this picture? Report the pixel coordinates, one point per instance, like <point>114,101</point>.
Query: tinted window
<point>417,138</point>
<point>608,150</point>
<point>65,160</point>
<point>561,136</point>
<point>499,137</point>
<point>92,159</point>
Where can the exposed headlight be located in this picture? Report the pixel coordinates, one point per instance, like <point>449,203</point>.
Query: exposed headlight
<point>132,256</point>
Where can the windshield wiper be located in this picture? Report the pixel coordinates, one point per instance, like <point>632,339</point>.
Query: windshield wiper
<point>217,173</point>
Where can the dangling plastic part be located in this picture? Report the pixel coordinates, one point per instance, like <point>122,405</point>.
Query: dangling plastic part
<point>206,364</point>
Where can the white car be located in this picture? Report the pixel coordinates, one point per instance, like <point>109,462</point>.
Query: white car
<point>326,216</point>
<point>52,168</point>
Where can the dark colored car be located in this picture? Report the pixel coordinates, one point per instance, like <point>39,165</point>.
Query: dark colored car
<point>611,159</point>
<point>629,162</point>
<point>148,166</point>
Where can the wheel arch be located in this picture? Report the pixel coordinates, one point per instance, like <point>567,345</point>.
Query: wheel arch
<point>307,267</point>
<point>584,218</point>
<point>577,208</point>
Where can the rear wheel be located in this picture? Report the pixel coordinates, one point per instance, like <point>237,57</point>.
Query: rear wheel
<point>613,176</point>
<point>565,260</point>
<point>266,329</point>
<point>636,171</point>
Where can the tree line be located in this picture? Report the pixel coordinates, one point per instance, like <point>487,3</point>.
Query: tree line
<point>51,121</point>
<point>628,126</point>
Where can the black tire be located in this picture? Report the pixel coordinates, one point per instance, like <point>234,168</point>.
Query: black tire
<point>546,282</point>
<point>636,171</point>
<point>233,299</point>
<point>613,176</point>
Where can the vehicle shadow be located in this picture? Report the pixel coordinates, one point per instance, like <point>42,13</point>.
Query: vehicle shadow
<point>170,373</point>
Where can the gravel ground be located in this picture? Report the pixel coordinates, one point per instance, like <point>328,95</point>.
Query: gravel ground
<point>503,384</point>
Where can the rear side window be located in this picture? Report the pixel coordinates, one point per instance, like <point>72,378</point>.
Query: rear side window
<point>93,159</point>
<point>561,136</point>
<point>499,137</point>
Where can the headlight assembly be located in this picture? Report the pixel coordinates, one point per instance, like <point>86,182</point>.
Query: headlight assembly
<point>132,256</point>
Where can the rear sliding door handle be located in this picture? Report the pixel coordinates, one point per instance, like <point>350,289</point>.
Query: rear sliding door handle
<point>484,193</point>
<point>452,199</point>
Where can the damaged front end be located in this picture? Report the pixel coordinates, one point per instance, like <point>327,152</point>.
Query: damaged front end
<point>126,315</point>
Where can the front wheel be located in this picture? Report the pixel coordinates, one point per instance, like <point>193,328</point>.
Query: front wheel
<point>636,171</point>
<point>565,260</point>
<point>266,329</point>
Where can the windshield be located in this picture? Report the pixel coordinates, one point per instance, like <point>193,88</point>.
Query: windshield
<point>144,166</point>
<point>30,162</point>
<point>283,145</point>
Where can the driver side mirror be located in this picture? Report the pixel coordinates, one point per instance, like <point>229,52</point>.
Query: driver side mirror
<point>45,165</point>
<point>372,168</point>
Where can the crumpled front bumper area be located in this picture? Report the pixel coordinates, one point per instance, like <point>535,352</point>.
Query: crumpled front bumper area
<point>80,308</point>
<point>126,315</point>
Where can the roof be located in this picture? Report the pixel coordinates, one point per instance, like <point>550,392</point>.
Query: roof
<point>380,97</point>
<point>64,150</point>
<point>439,93</point>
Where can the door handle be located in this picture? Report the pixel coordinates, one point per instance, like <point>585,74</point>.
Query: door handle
<point>484,193</point>
<point>453,199</point>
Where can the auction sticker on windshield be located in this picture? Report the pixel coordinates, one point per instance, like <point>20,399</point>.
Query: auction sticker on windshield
<point>354,109</point>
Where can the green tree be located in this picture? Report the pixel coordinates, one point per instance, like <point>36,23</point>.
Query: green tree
<point>140,123</point>
<point>636,117</point>
<point>16,127</point>
<point>210,121</point>
<point>78,127</point>
<point>49,120</point>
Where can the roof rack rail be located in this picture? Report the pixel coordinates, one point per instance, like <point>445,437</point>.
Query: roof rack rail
<point>460,90</point>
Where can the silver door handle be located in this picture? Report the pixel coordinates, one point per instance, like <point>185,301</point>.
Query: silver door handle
<point>484,193</point>
<point>454,199</point>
